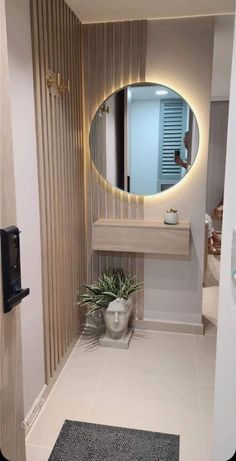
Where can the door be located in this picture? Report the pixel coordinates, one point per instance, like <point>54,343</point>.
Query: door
<point>12,441</point>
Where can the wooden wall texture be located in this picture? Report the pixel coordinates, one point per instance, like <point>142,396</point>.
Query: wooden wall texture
<point>72,194</point>
<point>114,55</point>
<point>11,390</point>
<point>56,47</point>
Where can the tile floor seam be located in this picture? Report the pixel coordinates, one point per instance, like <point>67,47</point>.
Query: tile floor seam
<point>146,376</point>
<point>196,360</point>
<point>201,422</point>
<point>96,389</point>
<point>38,446</point>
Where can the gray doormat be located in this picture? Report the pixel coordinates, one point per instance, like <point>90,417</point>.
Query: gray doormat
<point>79,441</point>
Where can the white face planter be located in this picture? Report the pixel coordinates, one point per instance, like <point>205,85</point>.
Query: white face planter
<point>116,318</point>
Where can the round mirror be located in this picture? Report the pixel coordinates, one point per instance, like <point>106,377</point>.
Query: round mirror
<point>144,138</point>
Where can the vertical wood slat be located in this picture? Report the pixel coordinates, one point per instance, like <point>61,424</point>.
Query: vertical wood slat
<point>62,70</point>
<point>50,108</point>
<point>62,231</point>
<point>42,141</point>
<point>56,48</point>
<point>57,52</point>
<point>56,189</point>
<point>12,441</point>
<point>114,55</point>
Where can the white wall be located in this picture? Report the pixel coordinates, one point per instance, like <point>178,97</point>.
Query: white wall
<point>224,442</point>
<point>179,55</point>
<point>27,197</point>
<point>222,58</point>
<point>144,145</point>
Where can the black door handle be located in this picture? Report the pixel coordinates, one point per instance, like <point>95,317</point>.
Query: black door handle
<point>13,293</point>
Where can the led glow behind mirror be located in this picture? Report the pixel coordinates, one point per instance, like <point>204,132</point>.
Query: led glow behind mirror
<point>144,138</point>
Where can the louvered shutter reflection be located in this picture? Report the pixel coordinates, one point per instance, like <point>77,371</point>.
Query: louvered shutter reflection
<point>172,129</point>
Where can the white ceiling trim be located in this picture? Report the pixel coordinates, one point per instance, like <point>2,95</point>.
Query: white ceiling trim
<point>162,18</point>
<point>100,11</point>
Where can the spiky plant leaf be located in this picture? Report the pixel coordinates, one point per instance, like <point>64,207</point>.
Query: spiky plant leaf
<point>109,286</point>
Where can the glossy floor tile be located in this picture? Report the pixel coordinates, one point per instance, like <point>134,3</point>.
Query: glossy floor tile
<point>163,383</point>
<point>70,400</point>
<point>36,453</point>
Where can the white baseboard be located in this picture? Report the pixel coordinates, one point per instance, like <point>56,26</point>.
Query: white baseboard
<point>34,410</point>
<point>172,327</point>
<point>46,391</point>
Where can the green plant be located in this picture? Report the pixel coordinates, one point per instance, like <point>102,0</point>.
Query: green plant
<point>108,287</point>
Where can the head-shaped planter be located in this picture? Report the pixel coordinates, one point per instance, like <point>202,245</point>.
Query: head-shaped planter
<point>116,318</point>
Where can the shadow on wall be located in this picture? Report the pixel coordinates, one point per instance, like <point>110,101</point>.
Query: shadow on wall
<point>159,280</point>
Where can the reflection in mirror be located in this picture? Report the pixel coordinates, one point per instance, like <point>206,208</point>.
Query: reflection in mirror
<point>144,139</point>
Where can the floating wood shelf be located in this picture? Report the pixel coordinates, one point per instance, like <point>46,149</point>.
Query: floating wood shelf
<point>140,236</point>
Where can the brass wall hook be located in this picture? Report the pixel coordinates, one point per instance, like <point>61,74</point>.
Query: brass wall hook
<point>64,86</point>
<point>56,84</point>
<point>104,109</point>
<point>53,79</point>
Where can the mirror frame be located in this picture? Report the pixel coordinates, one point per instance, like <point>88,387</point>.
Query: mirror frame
<point>131,194</point>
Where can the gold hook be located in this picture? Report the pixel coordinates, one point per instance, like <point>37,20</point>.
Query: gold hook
<point>104,108</point>
<point>53,79</point>
<point>64,86</point>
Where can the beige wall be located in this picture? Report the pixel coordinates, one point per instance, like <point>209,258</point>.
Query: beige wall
<point>179,55</point>
<point>27,196</point>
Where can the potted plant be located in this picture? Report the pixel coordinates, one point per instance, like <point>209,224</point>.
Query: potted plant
<point>111,294</point>
<point>171,217</point>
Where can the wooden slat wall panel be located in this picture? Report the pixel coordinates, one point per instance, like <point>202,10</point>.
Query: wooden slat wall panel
<point>98,143</point>
<point>56,47</point>
<point>114,55</point>
<point>12,441</point>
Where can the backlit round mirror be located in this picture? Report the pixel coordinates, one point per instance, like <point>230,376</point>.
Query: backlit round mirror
<point>144,138</point>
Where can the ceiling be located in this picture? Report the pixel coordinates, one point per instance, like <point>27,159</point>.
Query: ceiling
<point>149,92</point>
<point>120,10</point>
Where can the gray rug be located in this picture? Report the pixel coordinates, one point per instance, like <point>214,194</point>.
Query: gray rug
<point>79,441</point>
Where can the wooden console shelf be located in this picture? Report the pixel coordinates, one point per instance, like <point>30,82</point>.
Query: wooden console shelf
<point>139,236</point>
